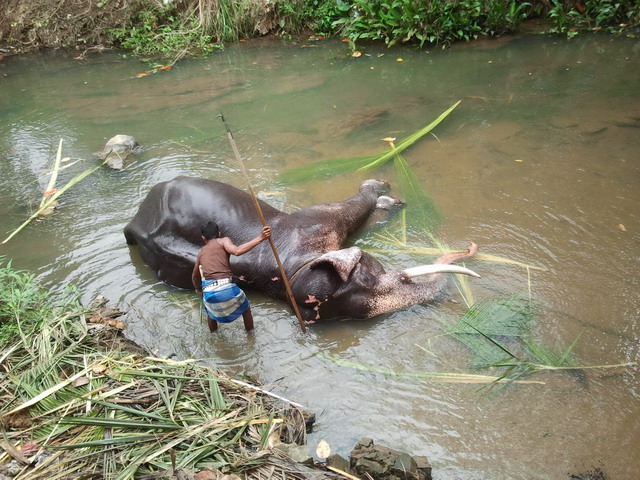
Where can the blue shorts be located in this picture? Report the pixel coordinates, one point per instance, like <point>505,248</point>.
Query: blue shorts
<point>223,300</point>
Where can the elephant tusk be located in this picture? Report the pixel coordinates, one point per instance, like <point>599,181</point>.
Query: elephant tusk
<point>437,268</point>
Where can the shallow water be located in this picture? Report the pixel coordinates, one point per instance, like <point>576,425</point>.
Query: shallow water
<point>539,164</point>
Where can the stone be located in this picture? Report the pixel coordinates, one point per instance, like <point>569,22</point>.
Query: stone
<point>297,453</point>
<point>384,463</point>
<point>336,461</point>
<point>424,467</point>
<point>404,466</point>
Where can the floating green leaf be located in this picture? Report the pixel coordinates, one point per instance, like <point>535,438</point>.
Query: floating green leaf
<point>338,166</point>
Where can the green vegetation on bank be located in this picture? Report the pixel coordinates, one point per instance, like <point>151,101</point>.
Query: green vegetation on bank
<point>24,303</point>
<point>179,27</point>
<point>78,401</point>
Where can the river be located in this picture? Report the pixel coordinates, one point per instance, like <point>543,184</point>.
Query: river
<point>540,163</point>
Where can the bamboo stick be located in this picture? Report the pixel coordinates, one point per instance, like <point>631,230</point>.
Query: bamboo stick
<point>285,279</point>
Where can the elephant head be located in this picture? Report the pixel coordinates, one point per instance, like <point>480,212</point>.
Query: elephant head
<point>352,283</point>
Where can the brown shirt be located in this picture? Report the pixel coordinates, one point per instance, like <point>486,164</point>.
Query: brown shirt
<point>214,260</point>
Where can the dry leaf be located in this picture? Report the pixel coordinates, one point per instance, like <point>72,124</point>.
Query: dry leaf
<point>116,324</point>
<point>19,420</point>
<point>622,227</point>
<point>99,369</point>
<point>206,474</point>
<point>356,54</point>
<point>79,382</point>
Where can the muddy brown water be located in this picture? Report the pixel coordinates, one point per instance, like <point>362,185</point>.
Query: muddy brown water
<point>540,163</point>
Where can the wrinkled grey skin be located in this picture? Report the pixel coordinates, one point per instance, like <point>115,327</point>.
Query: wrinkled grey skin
<point>328,281</point>
<point>117,149</point>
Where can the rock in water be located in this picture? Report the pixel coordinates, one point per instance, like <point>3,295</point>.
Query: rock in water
<point>117,149</point>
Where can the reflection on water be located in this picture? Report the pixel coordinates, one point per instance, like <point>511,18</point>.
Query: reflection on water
<point>538,164</point>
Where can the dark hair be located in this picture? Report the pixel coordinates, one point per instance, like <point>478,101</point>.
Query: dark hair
<point>209,230</point>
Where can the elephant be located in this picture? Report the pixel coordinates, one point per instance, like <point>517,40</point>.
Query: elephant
<point>328,281</point>
<point>117,149</point>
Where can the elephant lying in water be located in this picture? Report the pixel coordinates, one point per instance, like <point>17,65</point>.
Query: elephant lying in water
<point>328,281</point>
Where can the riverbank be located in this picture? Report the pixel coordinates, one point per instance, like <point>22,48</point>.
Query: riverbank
<point>188,27</point>
<point>81,400</point>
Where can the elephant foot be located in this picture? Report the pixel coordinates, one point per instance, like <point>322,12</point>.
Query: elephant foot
<point>385,202</point>
<point>379,186</point>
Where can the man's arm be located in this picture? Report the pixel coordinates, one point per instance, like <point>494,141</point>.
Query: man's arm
<point>196,279</point>
<point>238,250</point>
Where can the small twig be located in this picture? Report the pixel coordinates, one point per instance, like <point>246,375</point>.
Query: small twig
<point>266,392</point>
<point>14,452</point>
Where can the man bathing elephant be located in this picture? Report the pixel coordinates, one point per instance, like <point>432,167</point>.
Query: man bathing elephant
<point>223,300</point>
<point>328,281</point>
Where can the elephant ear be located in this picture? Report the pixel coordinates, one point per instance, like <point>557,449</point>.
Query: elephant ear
<point>344,261</point>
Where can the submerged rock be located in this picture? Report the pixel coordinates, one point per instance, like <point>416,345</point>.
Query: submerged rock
<point>117,149</point>
<point>383,463</point>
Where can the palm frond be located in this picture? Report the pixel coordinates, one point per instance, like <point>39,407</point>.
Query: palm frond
<point>502,317</point>
<point>445,377</point>
<point>325,169</point>
<point>95,411</point>
<point>422,214</point>
<point>339,166</point>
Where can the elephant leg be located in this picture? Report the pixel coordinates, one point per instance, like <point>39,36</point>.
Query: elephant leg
<point>344,218</point>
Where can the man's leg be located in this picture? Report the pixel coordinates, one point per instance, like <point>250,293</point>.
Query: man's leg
<point>213,325</point>
<point>248,320</point>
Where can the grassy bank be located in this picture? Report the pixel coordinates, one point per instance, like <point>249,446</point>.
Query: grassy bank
<point>179,27</point>
<point>79,401</point>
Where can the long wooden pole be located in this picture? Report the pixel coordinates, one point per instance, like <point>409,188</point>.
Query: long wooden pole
<point>285,279</point>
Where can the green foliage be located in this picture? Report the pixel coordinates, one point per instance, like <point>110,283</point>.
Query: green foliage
<point>108,413</point>
<point>611,15</point>
<point>332,167</point>
<point>497,333</point>
<point>24,303</point>
<point>161,30</point>
<point>325,13</point>
<point>20,299</point>
<point>436,21</point>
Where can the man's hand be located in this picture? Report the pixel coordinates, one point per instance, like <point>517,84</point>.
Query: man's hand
<point>266,232</point>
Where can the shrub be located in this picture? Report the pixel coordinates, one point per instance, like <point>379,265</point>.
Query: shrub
<point>434,21</point>
<point>24,303</point>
